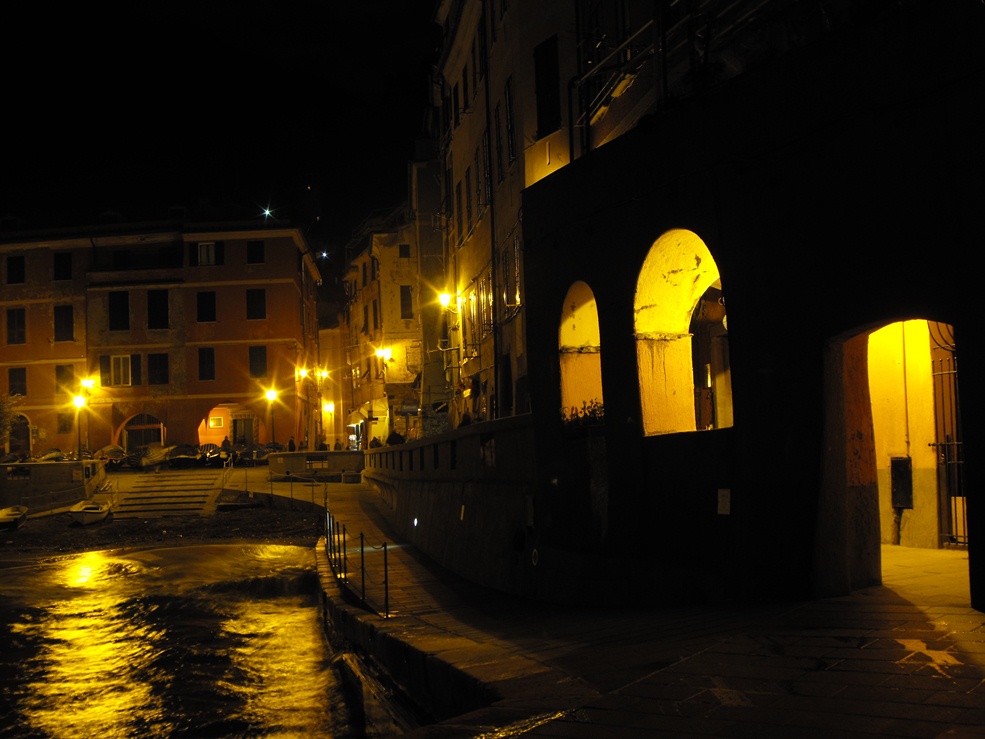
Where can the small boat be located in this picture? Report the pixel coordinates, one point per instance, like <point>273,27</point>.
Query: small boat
<point>183,456</point>
<point>89,511</point>
<point>152,455</point>
<point>13,517</point>
<point>51,455</point>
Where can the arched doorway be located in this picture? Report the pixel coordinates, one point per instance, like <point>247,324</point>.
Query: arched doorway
<point>141,430</point>
<point>580,349</point>
<point>682,338</point>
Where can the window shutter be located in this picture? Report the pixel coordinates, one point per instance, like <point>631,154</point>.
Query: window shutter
<point>105,376</point>
<point>193,254</point>
<point>220,252</point>
<point>134,369</point>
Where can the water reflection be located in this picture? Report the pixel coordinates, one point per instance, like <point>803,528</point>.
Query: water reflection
<point>197,641</point>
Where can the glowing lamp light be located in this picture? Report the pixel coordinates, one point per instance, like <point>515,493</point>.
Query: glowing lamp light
<point>385,354</point>
<point>79,401</point>
<point>302,373</point>
<point>88,383</point>
<point>328,407</point>
<point>444,299</point>
<point>271,395</point>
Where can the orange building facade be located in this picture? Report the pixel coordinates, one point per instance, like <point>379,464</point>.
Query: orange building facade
<point>132,335</point>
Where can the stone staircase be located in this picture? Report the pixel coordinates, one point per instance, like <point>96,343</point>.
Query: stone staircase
<point>166,493</point>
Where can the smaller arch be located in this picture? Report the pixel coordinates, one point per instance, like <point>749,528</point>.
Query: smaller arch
<point>580,348</point>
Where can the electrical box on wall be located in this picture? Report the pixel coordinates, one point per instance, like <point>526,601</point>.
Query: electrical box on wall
<point>901,475</point>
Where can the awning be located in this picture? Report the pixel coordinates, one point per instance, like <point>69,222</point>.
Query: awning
<point>356,417</point>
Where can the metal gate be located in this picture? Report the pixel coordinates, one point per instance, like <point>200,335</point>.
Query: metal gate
<point>950,455</point>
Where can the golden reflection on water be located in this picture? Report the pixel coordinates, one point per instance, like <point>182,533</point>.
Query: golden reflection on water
<point>277,655</point>
<point>114,634</point>
<point>92,657</point>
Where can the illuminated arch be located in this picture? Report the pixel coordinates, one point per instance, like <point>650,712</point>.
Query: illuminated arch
<point>580,349</point>
<point>678,300</point>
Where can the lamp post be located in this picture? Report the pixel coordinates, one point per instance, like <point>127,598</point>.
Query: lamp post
<point>80,402</point>
<point>384,355</point>
<point>328,409</point>
<point>271,398</point>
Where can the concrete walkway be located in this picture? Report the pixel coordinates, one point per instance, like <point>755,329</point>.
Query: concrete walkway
<point>906,659</point>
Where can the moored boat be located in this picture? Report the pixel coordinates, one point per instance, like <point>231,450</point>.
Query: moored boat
<point>13,517</point>
<point>89,511</point>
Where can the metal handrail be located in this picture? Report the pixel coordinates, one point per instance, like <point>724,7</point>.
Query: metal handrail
<point>337,549</point>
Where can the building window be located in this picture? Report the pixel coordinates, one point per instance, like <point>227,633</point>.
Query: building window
<point>374,268</point>
<point>254,251</point>
<point>258,361</point>
<point>465,86</point>
<point>376,315</point>
<point>206,364</point>
<point>478,181</point>
<point>468,197</point>
<point>206,307</point>
<point>486,171</point>
<point>16,326</point>
<point>406,301</point>
<point>119,311</point>
<point>458,211</point>
<point>17,380</point>
<point>364,274</point>
<point>365,319</point>
<point>64,316</point>
<point>475,68</point>
<point>403,251</point>
<point>206,254</point>
<point>157,309</point>
<point>548,87</point>
<point>256,304</point>
<point>216,422</point>
<point>510,121</point>
<point>120,370</point>
<point>457,106</point>
<point>485,304</point>
<point>62,265</point>
<point>16,272</point>
<point>64,422</point>
<point>473,322</point>
<point>65,379</point>
<point>511,274</point>
<point>158,370</point>
<point>498,123</point>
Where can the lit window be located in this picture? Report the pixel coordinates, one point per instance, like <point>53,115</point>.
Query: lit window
<point>120,370</point>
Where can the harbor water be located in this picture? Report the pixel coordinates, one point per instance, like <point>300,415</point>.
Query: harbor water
<point>198,641</point>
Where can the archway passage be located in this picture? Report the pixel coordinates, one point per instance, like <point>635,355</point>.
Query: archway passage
<point>892,472</point>
<point>141,430</point>
<point>580,349</point>
<point>681,338</point>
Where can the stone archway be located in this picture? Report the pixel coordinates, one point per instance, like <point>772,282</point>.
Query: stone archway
<point>880,480</point>
<point>679,289</point>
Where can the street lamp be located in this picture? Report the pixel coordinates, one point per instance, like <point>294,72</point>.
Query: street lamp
<point>271,397</point>
<point>80,402</point>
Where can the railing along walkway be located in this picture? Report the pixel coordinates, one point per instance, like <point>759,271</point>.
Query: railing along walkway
<point>361,567</point>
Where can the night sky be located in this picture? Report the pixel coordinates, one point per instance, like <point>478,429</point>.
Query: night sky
<point>310,108</point>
